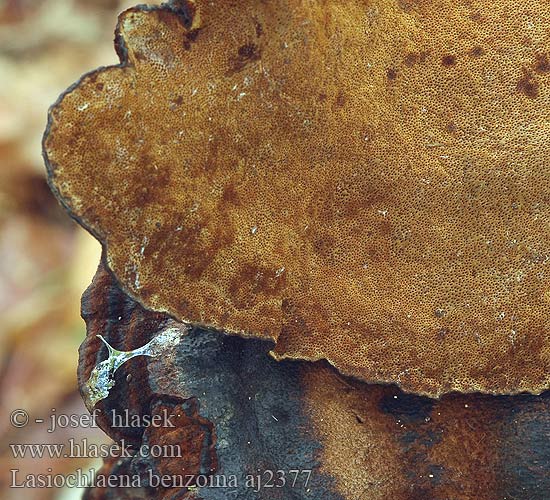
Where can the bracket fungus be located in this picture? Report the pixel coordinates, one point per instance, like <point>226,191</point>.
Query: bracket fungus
<point>361,182</point>
<point>238,414</point>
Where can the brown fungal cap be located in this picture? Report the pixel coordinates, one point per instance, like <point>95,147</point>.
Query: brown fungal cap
<point>230,410</point>
<point>364,183</point>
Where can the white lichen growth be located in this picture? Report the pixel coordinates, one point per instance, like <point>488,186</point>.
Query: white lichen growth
<point>102,379</point>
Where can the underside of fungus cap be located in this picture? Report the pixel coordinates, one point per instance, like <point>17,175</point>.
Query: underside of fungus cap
<point>362,182</point>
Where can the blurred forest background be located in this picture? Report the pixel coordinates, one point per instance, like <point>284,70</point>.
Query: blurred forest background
<point>46,260</point>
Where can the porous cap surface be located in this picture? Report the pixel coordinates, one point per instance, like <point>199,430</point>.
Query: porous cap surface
<point>365,182</point>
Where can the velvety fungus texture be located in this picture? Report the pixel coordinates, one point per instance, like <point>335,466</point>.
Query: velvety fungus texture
<point>365,182</point>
